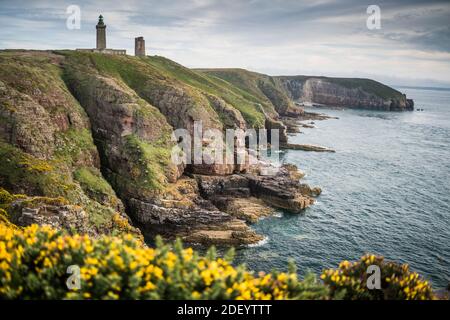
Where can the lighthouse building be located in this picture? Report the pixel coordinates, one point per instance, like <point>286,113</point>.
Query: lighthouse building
<point>101,41</point>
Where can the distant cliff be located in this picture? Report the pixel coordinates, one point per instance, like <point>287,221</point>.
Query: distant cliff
<point>330,92</point>
<point>345,92</point>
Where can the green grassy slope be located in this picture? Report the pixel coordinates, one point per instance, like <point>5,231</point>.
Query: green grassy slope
<point>266,89</point>
<point>244,101</point>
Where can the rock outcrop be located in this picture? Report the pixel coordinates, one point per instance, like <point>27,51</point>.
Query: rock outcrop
<point>238,194</point>
<point>347,93</point>
<point>58,213</point>
<point>307,147</point>
<point>183,212</point>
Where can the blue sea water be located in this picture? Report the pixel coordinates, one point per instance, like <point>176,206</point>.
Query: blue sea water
<point>386,191</point>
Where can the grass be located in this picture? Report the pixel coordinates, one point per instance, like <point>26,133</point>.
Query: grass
<point>20,172</point>
<point>157,73</point>
<point>92,180</point>
<point>73,144</point>
<point>246,103</point>
<point>146,81</point>
<point>123,67</point>
<point>151,162</point>
<point>264,90</point>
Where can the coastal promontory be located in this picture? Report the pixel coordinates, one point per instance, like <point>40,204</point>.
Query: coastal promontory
<point>86,140</point>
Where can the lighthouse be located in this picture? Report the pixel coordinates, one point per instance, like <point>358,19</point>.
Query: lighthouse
<point>101,34</point>
<point>101,41</point>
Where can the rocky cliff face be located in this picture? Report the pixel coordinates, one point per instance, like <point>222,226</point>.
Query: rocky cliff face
<point>86,142</point>
<point>347,93</point>
<point>46,144</point>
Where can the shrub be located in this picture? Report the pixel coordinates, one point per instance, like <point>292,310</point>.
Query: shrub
<point>349,281</point>
<point>4,219</point>
<point>5,196</point>
<point>34,261</point>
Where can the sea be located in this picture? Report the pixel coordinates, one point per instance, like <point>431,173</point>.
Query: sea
<point>386,191</point>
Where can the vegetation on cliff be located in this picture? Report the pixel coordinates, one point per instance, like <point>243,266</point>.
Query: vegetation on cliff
<point>264,88</point>
<point>334,92</point>
<point>253,108</point>
<point>96,130</point>
<point>86,137</point>
<point>45,138</point>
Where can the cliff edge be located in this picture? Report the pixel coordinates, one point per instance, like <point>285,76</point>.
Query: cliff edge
<point>318,91</point>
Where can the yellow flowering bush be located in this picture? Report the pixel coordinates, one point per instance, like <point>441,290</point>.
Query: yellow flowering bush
<point>349,281</point>
<point>34,262</point>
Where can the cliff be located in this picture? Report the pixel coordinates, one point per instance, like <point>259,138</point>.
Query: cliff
<point>86,140</point>
<point>346,92</point>
<point>330,92</point>
<point>47,149</point>
<point>87,137</point>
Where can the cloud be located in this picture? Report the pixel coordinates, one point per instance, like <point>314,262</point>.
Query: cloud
<point>326,37</point>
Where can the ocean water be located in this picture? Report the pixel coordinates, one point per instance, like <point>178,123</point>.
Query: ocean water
<point>386,191</point>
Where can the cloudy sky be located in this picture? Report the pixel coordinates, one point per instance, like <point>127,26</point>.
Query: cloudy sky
<point>320,37</point>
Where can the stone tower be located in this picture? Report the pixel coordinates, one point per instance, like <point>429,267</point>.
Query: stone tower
<point>139,47</point>
<point>101,34</point>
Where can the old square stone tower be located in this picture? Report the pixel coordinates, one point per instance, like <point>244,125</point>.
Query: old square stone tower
<point>139,47</point>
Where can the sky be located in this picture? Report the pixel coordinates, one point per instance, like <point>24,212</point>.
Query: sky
<point>276,37</point>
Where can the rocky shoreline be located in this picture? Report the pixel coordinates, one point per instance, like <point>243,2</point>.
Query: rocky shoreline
<point>307,147</point>
<point>216,209</point>
<point>217,205</point>
<point>98,131</point>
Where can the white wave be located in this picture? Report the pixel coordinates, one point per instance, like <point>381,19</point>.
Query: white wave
<point>259,243</point>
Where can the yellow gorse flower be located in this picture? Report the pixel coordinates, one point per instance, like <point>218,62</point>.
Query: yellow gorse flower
<point>397,280</point>
<point>122,267</point>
